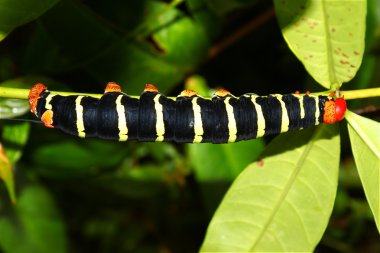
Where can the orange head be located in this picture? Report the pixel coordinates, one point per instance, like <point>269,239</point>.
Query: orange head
<point>340,108</point>
<point>334,110</point>
<point>34,95</point>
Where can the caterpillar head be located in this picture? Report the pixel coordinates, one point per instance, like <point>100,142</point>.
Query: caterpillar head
<point>334,110</point>
<point>34,95</point>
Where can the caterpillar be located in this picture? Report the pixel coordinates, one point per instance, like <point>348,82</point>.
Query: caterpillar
<point>188,118</point>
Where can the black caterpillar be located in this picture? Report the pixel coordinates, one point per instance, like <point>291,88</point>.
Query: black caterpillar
<point>187,119</point>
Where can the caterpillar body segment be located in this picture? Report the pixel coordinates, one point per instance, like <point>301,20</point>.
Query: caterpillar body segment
<point>187,119</point>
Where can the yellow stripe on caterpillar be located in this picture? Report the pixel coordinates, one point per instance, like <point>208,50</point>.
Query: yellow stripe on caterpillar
<point>260,117</point>
<point>122,121</point>
<point>48,105</point>
<point>198,125</point>
<point>160,126</point>
<point>79,112</point>
<point>232,129</point>
<point>284,114</point>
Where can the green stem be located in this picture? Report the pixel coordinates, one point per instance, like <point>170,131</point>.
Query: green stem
<point>356,94</point>
<point>6,92</point>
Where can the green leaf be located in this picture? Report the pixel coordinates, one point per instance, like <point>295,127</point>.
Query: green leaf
<point>6,174</point>
<point>225,161</point>
<point>16,13</point>
<point>142,181</point>
<point>36,227</point>
<point>283,202</point>
<point>14,137</point>
<point>365,142</point>
<point>327,36</point>
<point>208,19</point>
<point>163,55</point>
<point>216,166</point>
<point>11,108</point>
<point>168,47</point>
<point>149,170</point>
<point>76,157</point>
<point>198,84</point>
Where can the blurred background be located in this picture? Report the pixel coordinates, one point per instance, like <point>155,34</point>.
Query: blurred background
<point>92,195</point>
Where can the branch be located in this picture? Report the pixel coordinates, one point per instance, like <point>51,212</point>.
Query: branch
<point>356,94</point>
<point>242,32</point>
<point>6,92</point>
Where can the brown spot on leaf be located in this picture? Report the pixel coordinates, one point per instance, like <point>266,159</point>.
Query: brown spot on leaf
<point>306,35</point>
<point>352,66</point>
<point>344,55</point>
<point>344,62</point>
<point>333,29</point>
<point>356,53</point>
<point>312,25</point>
<point>310,56</point>
<point>314,41</point>
<point>260,163</point>
<point>350,34</point>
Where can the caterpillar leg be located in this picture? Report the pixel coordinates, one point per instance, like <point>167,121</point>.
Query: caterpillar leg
<point>112,87</point>
<point>47,118</point>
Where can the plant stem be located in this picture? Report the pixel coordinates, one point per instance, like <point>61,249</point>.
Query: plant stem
<point>243,31</point>
<point>6,92</point>
<point>356,94</point>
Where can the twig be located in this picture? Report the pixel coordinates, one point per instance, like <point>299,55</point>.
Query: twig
<point>367,110</point>
<point>242,32</point>
<point>23,93</point>
<point>364,93</point>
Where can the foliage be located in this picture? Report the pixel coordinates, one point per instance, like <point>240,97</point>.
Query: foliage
<point>365,141</point>
<point>327,36</point>
<point>279,190</point>
<point>100,196</point>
